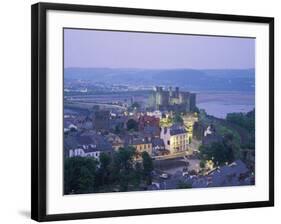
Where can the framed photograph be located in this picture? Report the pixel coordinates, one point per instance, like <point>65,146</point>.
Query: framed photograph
<point>140,111</point>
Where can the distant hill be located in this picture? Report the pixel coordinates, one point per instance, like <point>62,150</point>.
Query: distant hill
<point>195,80</point>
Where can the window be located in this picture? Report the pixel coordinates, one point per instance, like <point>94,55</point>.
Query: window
<point>168,142</point>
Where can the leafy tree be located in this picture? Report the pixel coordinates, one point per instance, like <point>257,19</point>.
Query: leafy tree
<point>125,157</point>
<point>244,120</point>
<point>79,175</point>
<point>178,119</point>
<point>219,152</point>
<point>137,175</point>
<point>183,185</point>
<point>233,146</point>
<point>147,166</point>
<point>121,167</point>
<point>230,136</point>
<point>202,164</point>
<point>117,129</point>
<point>132,125</point>
<point>104,170</point>
<point>135,105</point>
<point>124,179</point>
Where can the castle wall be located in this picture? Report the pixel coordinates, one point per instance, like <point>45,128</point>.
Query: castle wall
<point>174,100</point>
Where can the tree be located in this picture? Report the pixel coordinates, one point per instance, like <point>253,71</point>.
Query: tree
<point>183,185</point>
<point>121,168</point>
<point>147,166</point>
<point>137,175</point>
<point>218,152</point>
<point>79,175</point>
<point>117,129</point>
<point>132,125</point>
<point>104,170</point>
<point>177,119</point>
<point>233,146</point>
<point>202,164</point>
<point>244,120</point>
<point>104,161</point>
<point>135,105</point>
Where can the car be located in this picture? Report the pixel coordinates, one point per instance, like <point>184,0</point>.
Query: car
<point>164,176</point>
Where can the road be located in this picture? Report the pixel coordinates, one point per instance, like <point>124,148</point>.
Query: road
<point>175,165</point>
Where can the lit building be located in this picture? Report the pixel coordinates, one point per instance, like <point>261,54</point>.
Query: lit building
<point>156,113</point>
<point>175,138</point>
<point>189,121</point>
<point>142,145</point>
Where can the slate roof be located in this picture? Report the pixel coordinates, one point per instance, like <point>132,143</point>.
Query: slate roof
<point>89,143</point>
<point>177,129</point>
<point>70,142</point>
<point>140,141</point>
<point>229,175</point>
<point>158,142</point>
<point>151,130</point>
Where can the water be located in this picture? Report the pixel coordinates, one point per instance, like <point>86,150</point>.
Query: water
<point>219,104</point>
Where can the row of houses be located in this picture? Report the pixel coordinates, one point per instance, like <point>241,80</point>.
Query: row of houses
<point>95,144</point>
<point>91,143</point>
<point>234,174</point>
<point>92,135</point>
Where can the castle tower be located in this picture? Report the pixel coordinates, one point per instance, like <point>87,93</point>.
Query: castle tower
<point>177,92</point>
<point>171,91</point>
<point>192,101</point>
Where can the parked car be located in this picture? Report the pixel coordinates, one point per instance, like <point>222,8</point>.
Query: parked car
<point>164,176</point>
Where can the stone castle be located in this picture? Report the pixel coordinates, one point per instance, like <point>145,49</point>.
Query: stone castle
<point>173,100</point>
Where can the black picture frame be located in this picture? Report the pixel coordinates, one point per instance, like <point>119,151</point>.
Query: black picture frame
<point>39,122</point>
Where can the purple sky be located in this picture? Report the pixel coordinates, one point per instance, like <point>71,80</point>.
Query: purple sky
<point>90,48</point>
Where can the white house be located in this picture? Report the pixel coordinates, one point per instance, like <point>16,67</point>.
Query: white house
<point>175,138</point>
<point>87,146</point>
<point>82,152</point>
<point>156,113</point>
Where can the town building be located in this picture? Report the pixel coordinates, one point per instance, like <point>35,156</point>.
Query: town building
<point>151,131</point>
<point>210,135</point>
<point>101,120</point>
<point>175,138</point>
<point>87,146</point>
<point>115,141</point>
<point>146,120</point>
<point>158,147</point>
<point>142,145</point>
<point>155,113</point>
<point>234,174</point>
<point>149,126</point>
<point>117,124</point>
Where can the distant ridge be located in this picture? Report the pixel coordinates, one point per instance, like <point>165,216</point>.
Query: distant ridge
<point>195,80</point>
